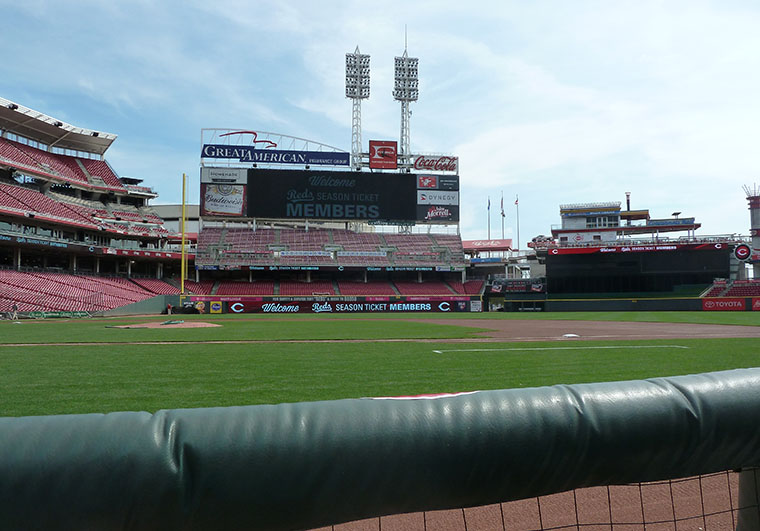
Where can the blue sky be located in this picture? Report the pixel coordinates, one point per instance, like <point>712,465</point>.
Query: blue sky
<point>559,102</point>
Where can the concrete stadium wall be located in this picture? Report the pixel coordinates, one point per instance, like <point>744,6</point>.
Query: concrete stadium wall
<point>155,305</point>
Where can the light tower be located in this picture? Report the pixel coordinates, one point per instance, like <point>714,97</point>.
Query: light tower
<point>753,198</point>
<point>357,88</point>
<point>406,91</point>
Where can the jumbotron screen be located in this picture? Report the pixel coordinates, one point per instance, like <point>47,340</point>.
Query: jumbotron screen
<point>346,195</point>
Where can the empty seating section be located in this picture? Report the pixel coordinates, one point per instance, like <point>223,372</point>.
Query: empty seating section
<point>131,216</point>
<point>306,288</point>
<point>203,287</point>
<point>470,287</point>
<point>365,289</point>
<point>100,168</point>
<point>357,241</point>
<point>22,200</point>
<point>210,235</point>
<point>259,287</point>
<point>10,151</point>
<point>453,243</point>
<point>744,288</point>
<point>716,290</point>
<point>473,287</point>
<point>423,288</point>
<point>301,240</point>
<point>73,169</point>
<point>157,286</point>
<point>737,288</point>
<point>43,291</point>
<point>55,164</point>
<point>8,201</point>
<point>39,203</point>
<point>325,247</point>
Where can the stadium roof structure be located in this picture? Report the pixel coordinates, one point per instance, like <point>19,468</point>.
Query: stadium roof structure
<point>34,125</point>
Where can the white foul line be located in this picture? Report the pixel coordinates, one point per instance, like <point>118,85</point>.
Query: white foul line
<point>618,347</point>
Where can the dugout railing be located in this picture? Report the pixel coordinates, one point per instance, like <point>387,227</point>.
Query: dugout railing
<point>306,465</point>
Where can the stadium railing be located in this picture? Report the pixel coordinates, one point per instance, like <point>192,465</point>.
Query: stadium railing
<point>301,466</point>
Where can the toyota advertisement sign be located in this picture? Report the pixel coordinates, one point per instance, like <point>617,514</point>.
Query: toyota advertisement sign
<point>724,304</point>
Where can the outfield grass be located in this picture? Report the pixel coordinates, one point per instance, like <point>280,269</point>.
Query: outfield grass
<point>252,327</point>
<point>45,379</point>
<point>232,329</point>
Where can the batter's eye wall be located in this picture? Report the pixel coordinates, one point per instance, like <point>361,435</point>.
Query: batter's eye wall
<point>634,272</point>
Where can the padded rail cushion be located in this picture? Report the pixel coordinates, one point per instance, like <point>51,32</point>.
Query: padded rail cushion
<point>304,465</point>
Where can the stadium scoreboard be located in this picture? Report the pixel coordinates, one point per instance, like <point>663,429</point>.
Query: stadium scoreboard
<point>329,195</point>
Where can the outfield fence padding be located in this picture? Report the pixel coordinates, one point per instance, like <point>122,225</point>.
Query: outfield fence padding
<point>299,466</point>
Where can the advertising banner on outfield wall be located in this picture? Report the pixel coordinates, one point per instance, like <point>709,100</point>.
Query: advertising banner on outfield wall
<point>756,304</point>
<point>724,305</point>
<point>348,307</point>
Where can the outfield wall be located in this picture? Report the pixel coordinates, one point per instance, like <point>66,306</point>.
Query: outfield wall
<point>638,304</point>
<point>217,304</point>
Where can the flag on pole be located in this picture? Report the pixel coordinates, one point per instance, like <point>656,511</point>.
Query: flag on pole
<point>502,205</point>
<point>489,202</point>
<point>516,200</point>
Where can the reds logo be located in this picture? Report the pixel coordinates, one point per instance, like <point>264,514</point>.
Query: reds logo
<point>383,154</point>
<point>427,181</point>
<point>742,252</point>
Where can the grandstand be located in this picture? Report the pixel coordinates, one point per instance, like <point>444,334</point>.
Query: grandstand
<point>74,236</point>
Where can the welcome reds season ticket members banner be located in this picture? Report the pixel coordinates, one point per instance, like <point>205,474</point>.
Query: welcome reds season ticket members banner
<point>225,304</point>
<point>348,307</point>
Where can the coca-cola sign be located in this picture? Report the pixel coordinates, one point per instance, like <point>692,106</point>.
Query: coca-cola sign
<point>436,163</point>
<point>493,245</point>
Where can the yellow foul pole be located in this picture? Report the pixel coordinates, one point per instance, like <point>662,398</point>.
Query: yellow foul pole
<point>183,265</point>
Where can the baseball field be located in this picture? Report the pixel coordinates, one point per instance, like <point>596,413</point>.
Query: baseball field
<point>147,363</point>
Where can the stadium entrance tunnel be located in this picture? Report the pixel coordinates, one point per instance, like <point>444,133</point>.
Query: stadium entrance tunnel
<point>305,465</point>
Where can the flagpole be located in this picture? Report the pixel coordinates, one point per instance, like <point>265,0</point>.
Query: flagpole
<point>489,217</point>
<point>502,215</point>
<point>517,205</point>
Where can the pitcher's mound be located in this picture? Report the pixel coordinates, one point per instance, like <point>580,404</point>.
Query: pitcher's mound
<point>170,324</point>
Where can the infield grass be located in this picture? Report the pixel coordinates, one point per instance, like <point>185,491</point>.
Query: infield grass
<point>53,379</point>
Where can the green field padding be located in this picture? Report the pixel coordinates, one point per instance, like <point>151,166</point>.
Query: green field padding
<point>304,465</point>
